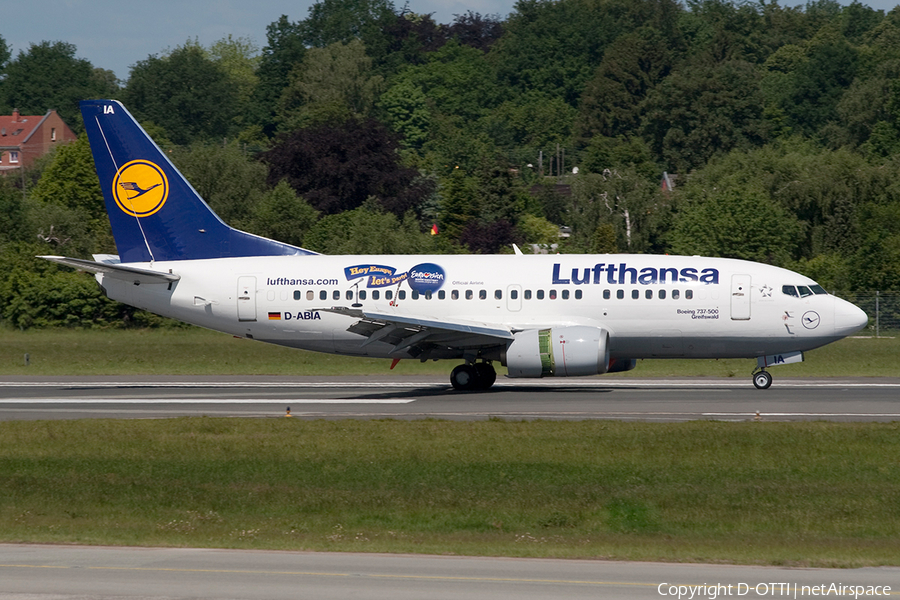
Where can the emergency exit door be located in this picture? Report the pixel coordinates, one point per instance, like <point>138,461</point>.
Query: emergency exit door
<point>740,297</point>
<point>246,298</point>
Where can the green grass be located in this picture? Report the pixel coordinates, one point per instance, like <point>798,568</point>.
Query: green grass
<point>816,494</point>
<point>193,351</point>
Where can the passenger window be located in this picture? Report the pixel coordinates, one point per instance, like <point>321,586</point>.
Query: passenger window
<point>336,294</point>
<point>528,294</point>
<point>297,294</point>
<point>349,294</point>
<point>310,295</point>
<point>454,295</point>
<point>376,294</point>
<point>553,294</point>
<point>428,295</point>
<point>648,294</point>
<point>469,294</point>
<point>388,294</point>
<point>442,295</point>
<point>540,294</point>
<point>662,294</point>
<point>688,294</point>
<point>323,295</point>
<point>513,294</point>
<point>804,291</point>
<point>565,294</point>
<point>401,295</point>
<point>675,294</point>
<point>498,295</point>
<point>789,290</point>
<point>415,295</point>
<point>482,294</point>
<point>606,294</point>
<point>362,295</point>
<point>620,294</point>
<point>578,294</point>
<point>635,294</point>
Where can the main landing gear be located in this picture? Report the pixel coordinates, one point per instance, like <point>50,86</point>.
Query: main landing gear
<point>762,380</point>
<point>473,376</point>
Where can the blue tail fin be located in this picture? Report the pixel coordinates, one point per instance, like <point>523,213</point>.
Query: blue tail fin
<point>154,212</point>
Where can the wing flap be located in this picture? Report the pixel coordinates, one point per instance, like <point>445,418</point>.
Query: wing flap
<point>413,335</point>
<point>116,271</point>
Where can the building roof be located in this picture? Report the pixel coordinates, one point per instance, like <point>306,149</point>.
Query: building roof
<point>15,129</point>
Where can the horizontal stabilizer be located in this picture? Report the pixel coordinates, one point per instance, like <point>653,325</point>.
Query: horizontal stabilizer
<point>129,274</point>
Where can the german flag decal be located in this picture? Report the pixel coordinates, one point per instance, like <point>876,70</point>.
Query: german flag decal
<point>274,316</point>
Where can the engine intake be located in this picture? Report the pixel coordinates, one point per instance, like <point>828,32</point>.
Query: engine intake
<point>558,352</point>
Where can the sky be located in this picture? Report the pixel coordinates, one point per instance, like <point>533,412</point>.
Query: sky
<point>115,34</point>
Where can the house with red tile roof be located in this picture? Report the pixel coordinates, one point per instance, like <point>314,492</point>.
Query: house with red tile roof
<point>24,138</point>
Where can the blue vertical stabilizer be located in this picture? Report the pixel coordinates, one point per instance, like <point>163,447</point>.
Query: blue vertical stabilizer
<point>154,212</point>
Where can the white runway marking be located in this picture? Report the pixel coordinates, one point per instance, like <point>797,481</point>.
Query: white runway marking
<point>655,383</point>
<point>204,401</point>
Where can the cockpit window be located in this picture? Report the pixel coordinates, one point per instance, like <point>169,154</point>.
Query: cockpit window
<point>818,290</point>
<point>789,290</point>
<point>804,291</point>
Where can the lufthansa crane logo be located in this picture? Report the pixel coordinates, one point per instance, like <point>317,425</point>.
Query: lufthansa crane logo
<point>140,188</point>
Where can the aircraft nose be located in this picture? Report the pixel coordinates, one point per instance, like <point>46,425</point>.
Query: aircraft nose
<point>848,318</point>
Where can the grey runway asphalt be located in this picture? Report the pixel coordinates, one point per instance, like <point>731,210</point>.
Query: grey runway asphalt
<point>876,399</point>
<point>30,572</point>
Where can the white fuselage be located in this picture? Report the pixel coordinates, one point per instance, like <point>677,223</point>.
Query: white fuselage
<point>652,306</point>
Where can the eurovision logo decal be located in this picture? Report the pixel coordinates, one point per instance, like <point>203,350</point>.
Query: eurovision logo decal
<point>424,277</point>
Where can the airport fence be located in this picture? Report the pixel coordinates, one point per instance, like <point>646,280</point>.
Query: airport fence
<point>883,309</point>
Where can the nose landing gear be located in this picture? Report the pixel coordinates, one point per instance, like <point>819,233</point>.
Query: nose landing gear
<point>762,380</point>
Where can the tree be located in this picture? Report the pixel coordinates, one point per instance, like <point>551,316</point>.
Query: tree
<point>282,215</point>
<point>67,206</point>
<point>336,167</point>
<point>735,223</point>
<point>334,83</point>
<point>368,229</point>
<point>239,58</point>
<point>817,85</point>
<point>473,29</point>
<point>555,46</point>
<point>406,108</point>
<point>5,53</point>
<point>230,181</point>
<point>49,76</point>
<point>186,93</point>
<point>331,21</point>
<point>611,102</point>
<point>699,112</point>
<point>284,50</point>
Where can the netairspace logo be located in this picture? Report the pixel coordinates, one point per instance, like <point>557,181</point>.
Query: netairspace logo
<point>773,590</point>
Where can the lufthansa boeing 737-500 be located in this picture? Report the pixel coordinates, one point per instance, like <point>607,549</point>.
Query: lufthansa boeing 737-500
<point>537,315</point>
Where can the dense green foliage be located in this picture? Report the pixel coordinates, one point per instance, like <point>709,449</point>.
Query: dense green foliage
<point>358,128</point>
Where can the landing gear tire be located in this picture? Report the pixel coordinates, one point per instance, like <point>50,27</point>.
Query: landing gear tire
<point>486,375</point>
<point>762,380</point>
<point>464,378</point>
<point>469,377</point>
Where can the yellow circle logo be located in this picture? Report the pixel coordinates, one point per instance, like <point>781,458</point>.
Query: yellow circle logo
<point>140,188</point>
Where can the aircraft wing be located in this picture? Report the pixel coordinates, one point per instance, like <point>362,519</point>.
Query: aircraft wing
<point>415,335</point>
<point>116,271</point>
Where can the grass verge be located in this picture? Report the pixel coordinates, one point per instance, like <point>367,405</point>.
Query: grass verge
<point>813,494</point>
<point>194,351</point>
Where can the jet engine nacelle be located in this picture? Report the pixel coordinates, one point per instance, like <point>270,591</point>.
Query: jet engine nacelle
<point>558,352</point>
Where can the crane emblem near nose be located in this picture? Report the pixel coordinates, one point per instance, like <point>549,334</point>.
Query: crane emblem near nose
<point>810,319</point>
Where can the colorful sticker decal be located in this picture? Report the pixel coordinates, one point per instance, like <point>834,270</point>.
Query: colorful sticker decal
<point>424,277</point>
